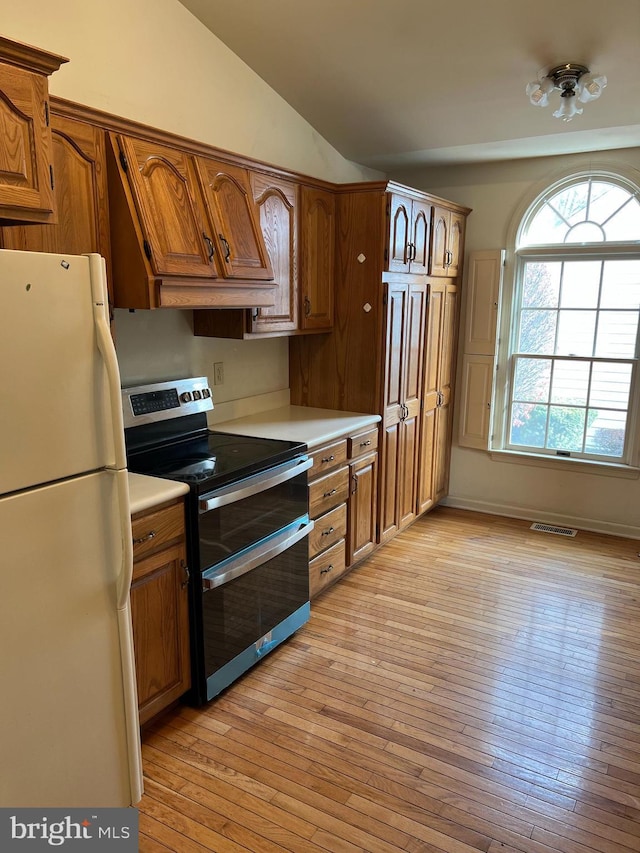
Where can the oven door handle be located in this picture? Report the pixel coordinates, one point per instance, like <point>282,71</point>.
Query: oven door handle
<point>243,563</point>
<point>255,484</point>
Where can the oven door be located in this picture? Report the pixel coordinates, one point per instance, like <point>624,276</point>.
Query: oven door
<point>237,516</point>
<point>252,602</point>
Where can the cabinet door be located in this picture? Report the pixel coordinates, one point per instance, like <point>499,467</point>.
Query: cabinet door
<point>439,367</point>
<point>420,237</point>
<point>277,202</point>
<point>396,299</point>
<point>412,396</point>
<point>26,168</point>
<point>456,244</point>
<point>439,241</point>
<point>430,395</point>
<point>447,242</point>
<point>159,615</point>
<point>317,252</point>
<point>172,220</point>
<point>81,196</point>
<point>442,439</point>
<point>234,219</point>
<point>399,218</point>
<point>362,508</point>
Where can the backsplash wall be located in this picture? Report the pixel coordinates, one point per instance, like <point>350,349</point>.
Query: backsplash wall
<point>156,345</point>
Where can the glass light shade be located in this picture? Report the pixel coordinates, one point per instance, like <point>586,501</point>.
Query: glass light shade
<point>568,109</point>
<point>538,92</point>
<point>590,87</point>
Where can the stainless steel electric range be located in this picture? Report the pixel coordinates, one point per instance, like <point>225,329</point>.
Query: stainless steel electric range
<point>247,523</point>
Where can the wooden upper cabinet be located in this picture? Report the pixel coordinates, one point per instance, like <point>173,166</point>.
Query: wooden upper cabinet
<point>81,195</point>
<point>447,242</point>
<point>278,207</point>
<point>317,257</point>
<point>175,239</point>
<point>26,157</point>
<point>241,250</point>
<point>409,235</point>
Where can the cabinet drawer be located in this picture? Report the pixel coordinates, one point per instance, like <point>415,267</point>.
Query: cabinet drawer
<point>153,529</point>
<point>362,442</point>
<point>328,491</point>
<point>329,528</point>
<point>328,457</point>
<point>327,567</point>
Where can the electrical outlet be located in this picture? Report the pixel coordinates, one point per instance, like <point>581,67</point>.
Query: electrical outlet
<point>218,373</point>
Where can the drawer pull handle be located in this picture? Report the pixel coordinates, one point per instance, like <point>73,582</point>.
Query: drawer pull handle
<point>327,570</point>
<point>328,494</point>
<point>365,443</point>
<point>328,532</point>
<point>150,535</point>
<point>328,458</point>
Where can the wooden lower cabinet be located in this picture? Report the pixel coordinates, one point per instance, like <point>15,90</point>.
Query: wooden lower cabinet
<point>159,608</point>
<point>343,486</point>
<point>362,507</point>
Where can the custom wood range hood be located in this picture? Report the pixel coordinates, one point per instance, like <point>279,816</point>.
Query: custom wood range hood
<point>185,232</point>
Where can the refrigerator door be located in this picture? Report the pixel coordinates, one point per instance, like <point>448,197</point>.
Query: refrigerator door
<point>57,419</point>
<point>68,706</point>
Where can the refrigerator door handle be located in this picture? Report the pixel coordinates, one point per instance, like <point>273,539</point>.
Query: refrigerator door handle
<point>108,352</point>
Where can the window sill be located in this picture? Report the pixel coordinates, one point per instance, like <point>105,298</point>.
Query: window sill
<point>584,466</point>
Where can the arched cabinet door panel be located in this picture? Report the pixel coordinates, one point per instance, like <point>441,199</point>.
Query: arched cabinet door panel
<point>317,254</point>
<point>176,238</point>
<point>26,155</point>
<point>277,202</point>
<point>235,222</point>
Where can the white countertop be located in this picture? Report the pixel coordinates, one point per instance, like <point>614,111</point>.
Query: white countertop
<point>299,423</point>
<point>146,492</point>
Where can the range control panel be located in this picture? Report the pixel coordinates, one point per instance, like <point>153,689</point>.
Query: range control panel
<point>162,400</point>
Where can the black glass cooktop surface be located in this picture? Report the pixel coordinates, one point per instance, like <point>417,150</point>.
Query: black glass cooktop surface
<point>213,459</point>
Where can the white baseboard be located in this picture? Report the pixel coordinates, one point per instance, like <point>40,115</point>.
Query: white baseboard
<point>594,525</point>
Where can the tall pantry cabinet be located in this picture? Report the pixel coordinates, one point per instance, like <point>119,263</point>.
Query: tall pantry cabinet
<point>392,349</point>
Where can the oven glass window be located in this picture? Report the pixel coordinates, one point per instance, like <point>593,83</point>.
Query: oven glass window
<point>232,528</point>
<point>240,612</point>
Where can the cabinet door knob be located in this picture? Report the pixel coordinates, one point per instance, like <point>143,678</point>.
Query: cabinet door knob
<point>307,306</point>
<point>187,575</point>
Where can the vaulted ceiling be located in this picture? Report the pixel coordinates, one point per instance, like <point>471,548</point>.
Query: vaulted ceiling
<point>400,83</point>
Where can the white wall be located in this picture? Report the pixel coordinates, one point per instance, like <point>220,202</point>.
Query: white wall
<point>496,192</point>
<point>152,61</point>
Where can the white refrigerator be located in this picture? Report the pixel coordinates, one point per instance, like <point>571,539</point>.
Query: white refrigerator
<point>69,734</point>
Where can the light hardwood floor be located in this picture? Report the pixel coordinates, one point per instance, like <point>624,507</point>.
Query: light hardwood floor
<point>473,686</point>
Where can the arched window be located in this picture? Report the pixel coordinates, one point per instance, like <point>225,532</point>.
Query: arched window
<point>572,361</point>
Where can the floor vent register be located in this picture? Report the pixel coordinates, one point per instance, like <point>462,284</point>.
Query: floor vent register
<point>550,528</point>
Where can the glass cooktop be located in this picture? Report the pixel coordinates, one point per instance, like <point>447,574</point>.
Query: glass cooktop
<point>213,459</point>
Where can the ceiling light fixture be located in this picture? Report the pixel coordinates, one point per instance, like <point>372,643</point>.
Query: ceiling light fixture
<point>575,84</point>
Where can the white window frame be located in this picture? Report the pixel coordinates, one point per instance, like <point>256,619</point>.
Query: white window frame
<point>507,332</point>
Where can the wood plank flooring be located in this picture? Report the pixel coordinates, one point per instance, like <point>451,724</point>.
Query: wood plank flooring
<point>473,686</point>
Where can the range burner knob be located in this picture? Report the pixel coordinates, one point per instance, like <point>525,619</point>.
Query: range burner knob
<point>186,397</point>
<point>197,395</point>
<point>206,393</point>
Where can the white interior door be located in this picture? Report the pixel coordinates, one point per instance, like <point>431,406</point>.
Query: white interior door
<point>67,718</point>
<point>55,416</point>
